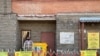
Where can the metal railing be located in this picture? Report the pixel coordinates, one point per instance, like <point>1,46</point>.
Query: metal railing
<point>48,53</point>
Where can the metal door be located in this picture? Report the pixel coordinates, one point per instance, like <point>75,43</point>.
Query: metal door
<point>49,38</point>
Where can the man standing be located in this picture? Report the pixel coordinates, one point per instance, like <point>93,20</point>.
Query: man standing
<point>28,44</point>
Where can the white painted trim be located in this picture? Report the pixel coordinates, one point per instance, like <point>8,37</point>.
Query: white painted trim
<point>37,15</point>
<point>36,18</point>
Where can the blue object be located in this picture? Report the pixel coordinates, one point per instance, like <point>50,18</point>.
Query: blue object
<point>90,19</point>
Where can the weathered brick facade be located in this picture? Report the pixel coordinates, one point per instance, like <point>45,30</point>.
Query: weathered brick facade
<point>69,22</point>
<point>11,26</point>
<point>8,26</point>
<point>8,31</point>
<point>58,7</point>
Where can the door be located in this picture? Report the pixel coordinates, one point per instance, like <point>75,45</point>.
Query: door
<point>49,38</point>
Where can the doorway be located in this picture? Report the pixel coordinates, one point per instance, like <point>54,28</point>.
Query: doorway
<point>25,34</point>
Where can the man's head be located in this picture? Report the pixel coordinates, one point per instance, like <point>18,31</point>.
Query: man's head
<point>28,38</point>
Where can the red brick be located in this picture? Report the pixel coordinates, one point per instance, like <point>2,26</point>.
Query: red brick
<point>55,7</point>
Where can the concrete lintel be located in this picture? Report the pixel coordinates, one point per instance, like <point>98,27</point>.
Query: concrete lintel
<point>80,14</point>
<point>36,18</point>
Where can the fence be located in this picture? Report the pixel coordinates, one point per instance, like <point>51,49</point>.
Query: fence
<point>48,53</point>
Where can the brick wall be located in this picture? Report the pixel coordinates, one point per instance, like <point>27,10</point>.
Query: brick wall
<point>5,6</point>
<point>8,26</point>
<point>8,31</point>
<point>53,0</point>
<point>1,6</point>
<point>55,7</point>
<point>69,22</point>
